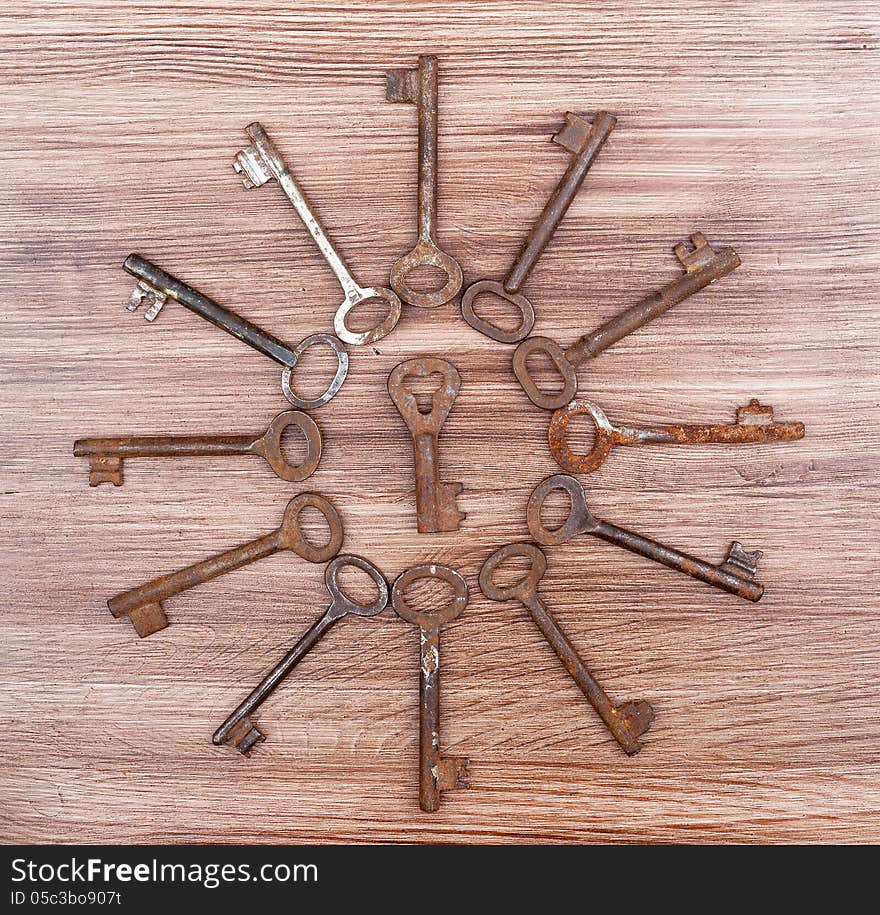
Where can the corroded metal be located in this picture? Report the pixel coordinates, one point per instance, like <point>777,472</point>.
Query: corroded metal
<point>419,86</point>
<point>754,424</point>
<point>106,455</point>
<point>143,605</point>
<point>437,772</point>
<point>239,729</point>
<point>702,264</point>
<point>583,140</point>
<point>735,575</point>
<point>262,162</point>
<point>626,722</point>
<point>155,287</point>
<point>436,507</point>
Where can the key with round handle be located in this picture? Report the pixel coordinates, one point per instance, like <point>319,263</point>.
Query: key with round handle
<point>626,722</point>
<point>143,605</point>
<point>584,140</point>
<point>155,287</point>
<point>735,575</point>
<point>754,425</point>
<point>419,86</point>
<point>261,162</point>
<point>239,729</point>
<point>703,265</point>
<point>437,773</point>
<point>106,455</point>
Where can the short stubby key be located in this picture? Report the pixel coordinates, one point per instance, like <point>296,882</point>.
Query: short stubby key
<point>702,264</point>
<point>437,772</point>
<point>754,425</point>
<point>261,162</point>
<point>583,140</point>
<point>436,508</point>
<point>239,730</point>
<point>419,86</point>
<point>626,722</point>
<point>143,605</point>
<point>106,455</point>
<point>155,287</point>
<point>735,575</point>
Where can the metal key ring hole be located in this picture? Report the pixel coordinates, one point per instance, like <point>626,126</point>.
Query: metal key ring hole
<point>552,355</point>
<point>339,377</point>
<point>486,288</point>
<point>580,446</point>
<point>426,255</point>
<point>359,306</point>
<point>301,524</point>
<point>434,617</point>
<point>287,427</point>
<point>530,571</point>
<point>342,567</point>
<point>577,521</point>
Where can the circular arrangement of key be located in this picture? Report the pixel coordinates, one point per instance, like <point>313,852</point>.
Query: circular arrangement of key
<point>435,499</point>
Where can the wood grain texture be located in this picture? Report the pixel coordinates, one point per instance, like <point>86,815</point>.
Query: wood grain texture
<point>755,122</point>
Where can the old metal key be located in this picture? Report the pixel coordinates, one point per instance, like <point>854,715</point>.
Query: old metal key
<point>143,605</point>
<point>261,162</point>
<point>155,287</point>
<point>436,508</point>
<point>627,722</point>
<point>419,86</point>
<point>238,729</point>
<point>436,772</point>
<point>736,574</point>
<point>754,424</point>
<point>106,455</point>
<point>584,141</point>
<point>703,265</point>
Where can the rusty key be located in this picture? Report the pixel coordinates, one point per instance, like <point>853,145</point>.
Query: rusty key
<point>754,424</point>
<point>143,605</point>
<point>238,729</point>
<point>106,455</point>
<point>436,508</point>
<point>261,162</point>
<point>702,264</point>
<point>436,772</point>
<point>419,86</point>
<point>627,722</point>
<point>583,140</point>
<point>736,574</point>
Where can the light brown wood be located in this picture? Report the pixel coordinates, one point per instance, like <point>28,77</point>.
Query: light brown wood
<point>754,122</point>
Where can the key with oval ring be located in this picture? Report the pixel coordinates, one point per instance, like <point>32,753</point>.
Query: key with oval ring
<point>735,575</point>
<point>106,455</point>
<point>437,772</point>
<point>626,722</point>
<point>155,287</point>
<point>436,508</point>
<point>754,424</point>
<point>239,730</point>
<point>583,140</point>
<point>419,86</point>
<point>259,163</point>
<point>702,264</point>
<point>143,605</point>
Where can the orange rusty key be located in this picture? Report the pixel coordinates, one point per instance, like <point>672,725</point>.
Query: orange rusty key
<point>436,508</point>
<point>628,721</point>
<point>754,424</point>
<point>143,605</point>
<point>106,455</point>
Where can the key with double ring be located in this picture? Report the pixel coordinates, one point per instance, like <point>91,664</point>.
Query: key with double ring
<point>155,287</point>
<point>702,264</point>
<point>626,722</point>
<point>260,162</point>
<point>436,507</point>
<point>437,772</point>
<point>419,86</point>
<point>735,575</point>
<point>754,425</point>
<point>583,140</point>
<point>106,455</point>
<point>143,605</point>
<point>239,730</point>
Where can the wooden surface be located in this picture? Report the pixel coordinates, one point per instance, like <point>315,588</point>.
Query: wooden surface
<point>755,122</point>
